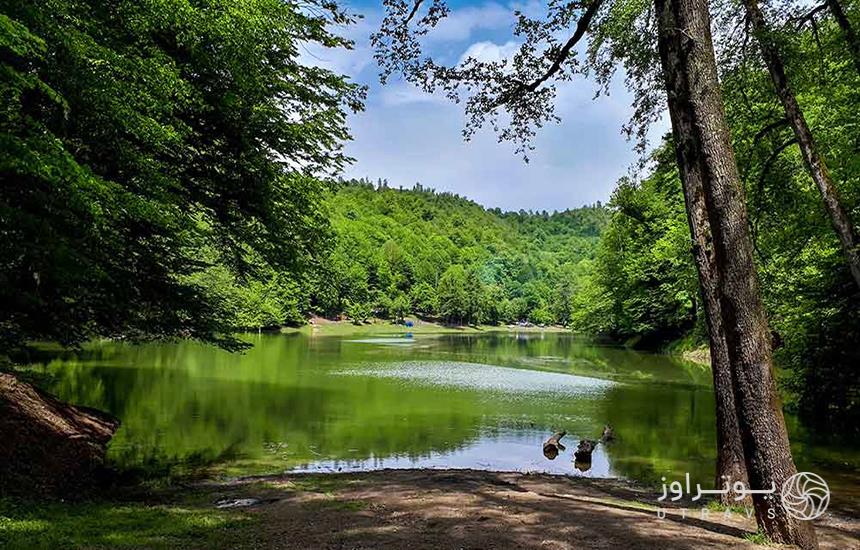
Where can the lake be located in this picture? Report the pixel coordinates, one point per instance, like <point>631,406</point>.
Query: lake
<point>487,401</point>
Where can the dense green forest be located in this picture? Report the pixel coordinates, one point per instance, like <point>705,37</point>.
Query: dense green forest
<point>142,144</point>
<point>152,191</point>
<point>415,251</point>
<point>642,287</point>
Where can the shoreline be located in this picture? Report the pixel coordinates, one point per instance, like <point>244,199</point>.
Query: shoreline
<point>318,326</point>
<point>700,356</point>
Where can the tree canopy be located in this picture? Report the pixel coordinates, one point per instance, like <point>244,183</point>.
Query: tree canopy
<point>146,142</point>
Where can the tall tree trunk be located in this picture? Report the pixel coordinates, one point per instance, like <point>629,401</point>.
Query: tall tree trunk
<point>703,147</point>
<point>730,452</point>
<point>850,36</point>
<point>813,161</point>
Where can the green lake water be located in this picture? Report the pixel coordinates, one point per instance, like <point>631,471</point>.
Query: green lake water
<point>486,401</point>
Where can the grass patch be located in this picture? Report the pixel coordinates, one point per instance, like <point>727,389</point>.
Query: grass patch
<point>27,525</point>
<point>717,506</point>
<point>759,537</point>
<point>327,484</point>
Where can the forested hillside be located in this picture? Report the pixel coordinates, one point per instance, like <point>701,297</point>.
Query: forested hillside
<point>438,254</point>
<point>415,251</point>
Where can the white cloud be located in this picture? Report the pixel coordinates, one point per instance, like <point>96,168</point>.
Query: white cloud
<point>402,93</point>
<point>488,51</point>
<point>462,22</point>
<point>406,135</point>
<point>341,60</point>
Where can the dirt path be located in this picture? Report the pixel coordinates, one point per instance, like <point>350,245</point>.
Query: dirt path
<point>421,509</point>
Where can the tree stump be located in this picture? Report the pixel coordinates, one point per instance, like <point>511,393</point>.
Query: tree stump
<point>49,448</point>
<point>582,466</point>
<point>553,446</point>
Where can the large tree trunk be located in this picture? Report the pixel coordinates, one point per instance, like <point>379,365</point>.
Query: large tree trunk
<point>730,453</point>
<point>702,141</point>
<point>850,36</point>
<point>813,161</point>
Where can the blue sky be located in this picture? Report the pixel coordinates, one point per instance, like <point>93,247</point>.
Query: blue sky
<point>407,136</point>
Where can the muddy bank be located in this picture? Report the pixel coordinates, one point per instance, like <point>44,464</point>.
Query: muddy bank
<point>49,448</point>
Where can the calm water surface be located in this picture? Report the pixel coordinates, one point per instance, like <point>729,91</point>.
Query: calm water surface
<point>487,401</point>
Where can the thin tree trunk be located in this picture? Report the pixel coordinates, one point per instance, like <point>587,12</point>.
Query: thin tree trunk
<point>730,452</point>
<point>850,36</point>
<point>703,147</point>
<point>811,158</point>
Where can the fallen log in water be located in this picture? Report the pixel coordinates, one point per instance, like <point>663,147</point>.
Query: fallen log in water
<point>608,434</point>
<point>48,447</point>
<point>584,450</point>
<point>582,455</point>
<point>552,446</point>
<point>586,447</point>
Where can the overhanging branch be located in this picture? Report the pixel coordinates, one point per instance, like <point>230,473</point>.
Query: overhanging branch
<point>768,129</point>
<point>808,16</point>
<point>412,13</point>
<point>564,53</point>
<point>581,28</point>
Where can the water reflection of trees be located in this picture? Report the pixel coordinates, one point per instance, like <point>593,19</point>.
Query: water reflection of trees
<point>662,431</point>
<point>187,403</point>
<point>283,403</point>
<point>569,353</point>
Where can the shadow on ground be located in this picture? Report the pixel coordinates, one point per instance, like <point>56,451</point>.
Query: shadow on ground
<point>411,509</point>
<point>420,509</point>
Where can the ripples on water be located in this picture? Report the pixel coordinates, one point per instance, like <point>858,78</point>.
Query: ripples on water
<point>484,377</point>
<point>383,341</point>
<point>510,452</point>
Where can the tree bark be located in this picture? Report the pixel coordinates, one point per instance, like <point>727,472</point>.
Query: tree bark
<point>845,25</point>
<point>730,452</point>
<point>703,147</point>
<point>811,158</point>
